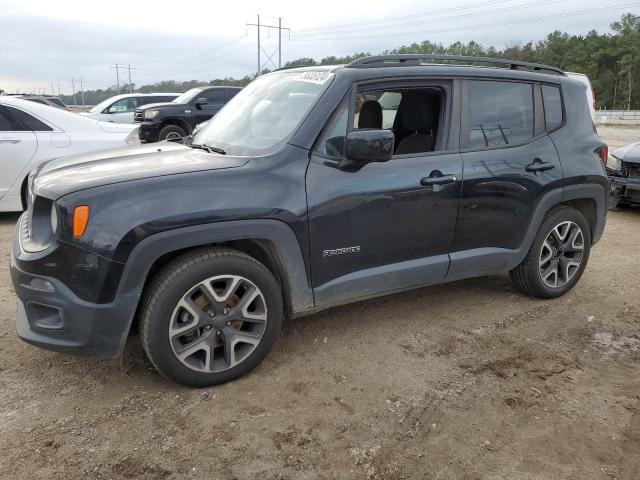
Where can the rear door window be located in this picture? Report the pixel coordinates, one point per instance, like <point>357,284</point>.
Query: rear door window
<point>31,122</point>
<point>214,97</point>
<point>9,122</point>
<point>231,93</point>
<point>6,125</point>
<point>501,114</point>
<point>552,107</point>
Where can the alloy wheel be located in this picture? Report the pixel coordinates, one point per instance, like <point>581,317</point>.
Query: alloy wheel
<point>173,136</point>
<point>561,254</point>
<point>218,323</point>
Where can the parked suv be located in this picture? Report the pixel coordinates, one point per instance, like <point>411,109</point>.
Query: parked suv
<point>178,118</point>
<point>121,108</point>
<point>293,199</point>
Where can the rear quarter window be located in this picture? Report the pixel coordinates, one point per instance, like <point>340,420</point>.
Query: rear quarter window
<point>552,107</point>
<point>28,122</point>
<point>501,113</point>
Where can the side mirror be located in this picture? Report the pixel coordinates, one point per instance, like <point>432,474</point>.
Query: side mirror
<point>112,109</point>
<point>364,146</point>
<point>200,102</point>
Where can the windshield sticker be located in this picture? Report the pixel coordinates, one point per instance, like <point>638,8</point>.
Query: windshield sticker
<point>319,78</point>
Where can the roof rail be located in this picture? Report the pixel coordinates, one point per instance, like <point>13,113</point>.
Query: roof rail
<point>420,59</point>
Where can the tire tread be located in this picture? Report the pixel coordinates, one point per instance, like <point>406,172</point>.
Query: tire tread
<point>167,274</point>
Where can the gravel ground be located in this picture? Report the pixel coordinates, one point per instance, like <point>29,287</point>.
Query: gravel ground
<point>470,380</point>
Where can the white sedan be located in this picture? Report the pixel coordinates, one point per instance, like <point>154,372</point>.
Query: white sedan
<point>31,133</point>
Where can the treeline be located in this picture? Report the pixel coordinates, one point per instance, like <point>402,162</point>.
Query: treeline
<point>93,97</point>
<point>612,62</point>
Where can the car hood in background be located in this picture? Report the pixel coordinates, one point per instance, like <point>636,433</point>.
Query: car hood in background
<point>151,106</point>
<point>630,153</point>
<point>59,177</point>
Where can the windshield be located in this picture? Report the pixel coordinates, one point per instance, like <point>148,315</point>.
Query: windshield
<point>102,105</point>
<point>187,96</point>
<point>264,113</point>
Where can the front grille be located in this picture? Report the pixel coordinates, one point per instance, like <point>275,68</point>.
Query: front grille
<point>138,116</point>
<point>631,170</point>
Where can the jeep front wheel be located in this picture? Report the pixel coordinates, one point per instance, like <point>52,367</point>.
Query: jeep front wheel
<point>210,316</point>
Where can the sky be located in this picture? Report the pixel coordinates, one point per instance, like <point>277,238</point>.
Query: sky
<point>45,44</point>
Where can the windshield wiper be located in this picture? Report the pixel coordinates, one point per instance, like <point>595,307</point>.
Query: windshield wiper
<point>207,148</point>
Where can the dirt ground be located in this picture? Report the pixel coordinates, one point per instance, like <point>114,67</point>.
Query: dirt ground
<point>470,380</point>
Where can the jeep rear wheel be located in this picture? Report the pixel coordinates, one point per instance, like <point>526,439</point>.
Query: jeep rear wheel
<point>557,257</point>
<point>210,316</point>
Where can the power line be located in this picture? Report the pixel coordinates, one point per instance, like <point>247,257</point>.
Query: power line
<point>279,27</point>
<point>404,17</point>
<point>117,68</point>
<point>486,25</point>
<point>174,66</point>
<point>434,20</point>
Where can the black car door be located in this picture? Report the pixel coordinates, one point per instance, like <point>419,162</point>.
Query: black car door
<point>385,226</point>
<point>509,164</point>
<point>215,101</point>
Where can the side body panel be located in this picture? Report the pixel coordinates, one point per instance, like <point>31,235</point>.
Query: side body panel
<point>577,144</point>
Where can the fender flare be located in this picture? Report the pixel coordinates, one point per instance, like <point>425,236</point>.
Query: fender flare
<point>145,253</point>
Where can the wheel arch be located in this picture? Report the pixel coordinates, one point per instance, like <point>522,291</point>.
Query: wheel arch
<point>270,242</point>
<point>589,198</point>
<point>179,122</point>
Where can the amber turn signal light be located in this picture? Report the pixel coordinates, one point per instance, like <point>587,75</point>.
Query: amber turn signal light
<point>80,220</point>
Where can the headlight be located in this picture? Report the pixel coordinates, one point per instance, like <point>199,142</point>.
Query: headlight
<point>149,114</point>
<point>54,218</point>
<point>614,162</point>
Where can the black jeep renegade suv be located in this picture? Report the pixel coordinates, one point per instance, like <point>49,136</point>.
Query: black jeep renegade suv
<point>313,187</point>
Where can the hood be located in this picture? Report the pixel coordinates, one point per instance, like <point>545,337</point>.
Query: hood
<point>65,175</point>
<point>629,154</point>
<point>153,106</point>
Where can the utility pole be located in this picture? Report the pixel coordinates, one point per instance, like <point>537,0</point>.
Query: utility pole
<point>81,92</point>
<point>118,67</point>
<point>261,50</point>
<point>117,78</point>
<point>279,42</point>
<point>130,83</point>
<point>73,87</point>
<point>52,92</point>
<point>629,104</point>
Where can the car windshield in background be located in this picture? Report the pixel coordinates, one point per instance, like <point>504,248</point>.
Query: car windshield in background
<point>102,105</point>
<point>187,96</point>
<point>265,113</point>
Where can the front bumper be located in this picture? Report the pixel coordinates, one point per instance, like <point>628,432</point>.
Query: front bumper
<point>50,315</point>
<point>625,189</point>
<point>148,131</point>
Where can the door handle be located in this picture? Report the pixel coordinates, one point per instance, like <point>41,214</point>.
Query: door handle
<point>437,178</point>
<point>539,166</point>
<point>10,140</point>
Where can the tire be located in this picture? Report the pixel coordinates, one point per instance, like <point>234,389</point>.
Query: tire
<point>171,131</point>
<point>535,275</point>
<point>198,328</point>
